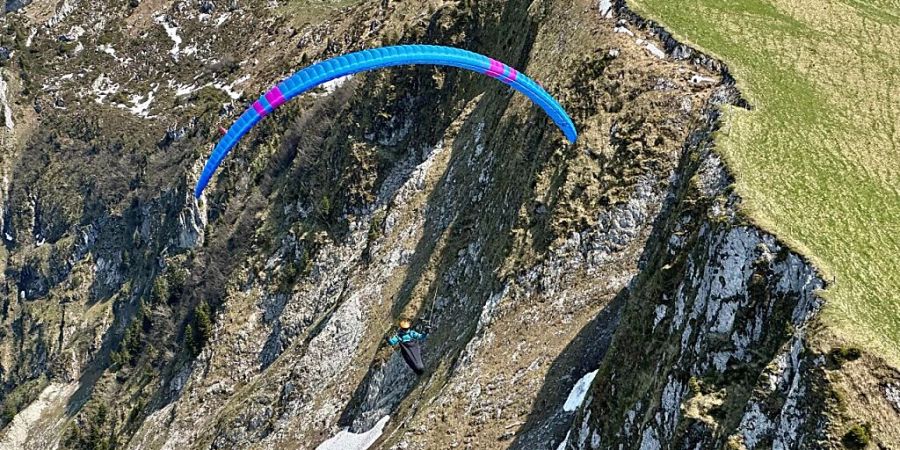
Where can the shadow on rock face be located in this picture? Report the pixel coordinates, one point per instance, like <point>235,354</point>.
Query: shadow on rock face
<point>548,422</point>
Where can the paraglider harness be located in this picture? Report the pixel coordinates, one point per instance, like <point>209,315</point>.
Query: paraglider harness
<point>409,342</point>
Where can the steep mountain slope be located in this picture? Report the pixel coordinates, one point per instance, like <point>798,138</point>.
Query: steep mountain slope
<point>135,316</point>
<point>817,160</point>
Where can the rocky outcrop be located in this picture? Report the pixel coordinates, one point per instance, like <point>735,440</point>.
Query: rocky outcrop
<point>712,350</point>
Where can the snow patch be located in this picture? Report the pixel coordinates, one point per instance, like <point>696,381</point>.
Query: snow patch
<point>7,111</point>
<point>222,19</point>
<point>585,429</point>
<point>345,440</point>
<point>595,440</point>
<point>64,10</point>
<point>660,315</point>
<point>562,445</point>
<point>332,85</point>
<point>579,391</point>
<point>31,36</point>
<point>103,87</point>
<point>892,395</point>
<point>108,49</point>
<point>606,8</point>
<point>141,104</point>
<point>184,89</point>
<point>228,89</point>
<point>649,441</point>
<point>755,426</point>
<point>172,31</point>
<point>74,34</point>
<point>189,50</point>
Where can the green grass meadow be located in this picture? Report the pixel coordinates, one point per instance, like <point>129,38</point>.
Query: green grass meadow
<point>817,160</point>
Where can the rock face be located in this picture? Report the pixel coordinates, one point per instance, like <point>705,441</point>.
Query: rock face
<point>711,350</point>
<point>718,345</point>
<point>136,316</point>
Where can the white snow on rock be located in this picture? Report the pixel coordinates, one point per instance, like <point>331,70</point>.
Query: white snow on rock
<point>345,440</point>
<point>755,426</point>
<point>184,89</point>
<point>222,19</point>
<point>229,88</point>
<point>190,50</point>
<point>576,397</point>
<point>660,315</point>
<point>103,87</point>
<point>74,33</point>
<point>62,12</point>
<point>172,31</point>
<point>31,36</point>
<point>332,85</point>
<point>108,49</point>
<point>7,111</point>
<point>649,441</point>
<point>606,8</point>
<point>562,445</point>
<point>141,104</point>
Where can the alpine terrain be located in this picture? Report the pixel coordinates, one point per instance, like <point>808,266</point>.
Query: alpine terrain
<point>712,264</point>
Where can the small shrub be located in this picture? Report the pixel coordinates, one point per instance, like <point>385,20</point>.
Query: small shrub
<point>694,385</point>
<point>169,288</point>
<point>839,355</point>
<point>325,206</point>
<point>120,98</point>
<point>177,279</point>
<point>190,342</point>
<point>287,277</point>
<point>198,332</point>
<point>132,343</point>
<point>91,432</point>
<point>376,227</point>
<point>160,291</point>
<point>77,281</point>
<point>858,436</point>
<point>735,443</point>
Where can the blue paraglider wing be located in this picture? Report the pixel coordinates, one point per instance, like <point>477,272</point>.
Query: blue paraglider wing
<point>351,63</point>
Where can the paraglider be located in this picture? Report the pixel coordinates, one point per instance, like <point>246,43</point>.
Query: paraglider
<point>350,63</point>
<point>408,339</point>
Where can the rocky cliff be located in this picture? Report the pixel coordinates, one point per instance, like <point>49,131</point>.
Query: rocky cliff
<point>134,316</point>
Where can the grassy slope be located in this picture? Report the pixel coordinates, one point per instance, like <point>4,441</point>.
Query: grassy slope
<point>818,159</point>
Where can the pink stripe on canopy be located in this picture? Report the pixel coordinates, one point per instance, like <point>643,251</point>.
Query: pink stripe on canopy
<point>496,68</point>
<point>259,108</point>
<point>275,97</point>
